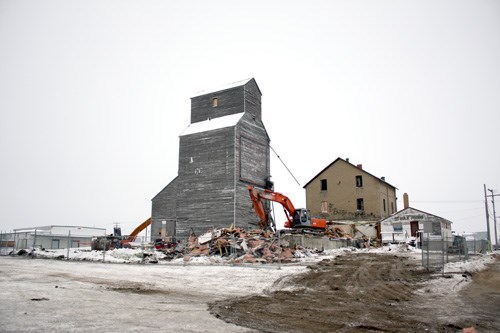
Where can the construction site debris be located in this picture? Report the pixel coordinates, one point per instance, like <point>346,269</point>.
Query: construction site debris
<point>239,246</point>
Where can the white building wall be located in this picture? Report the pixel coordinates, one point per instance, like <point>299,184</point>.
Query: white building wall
<point>55,237</point>
<point>397,228</point>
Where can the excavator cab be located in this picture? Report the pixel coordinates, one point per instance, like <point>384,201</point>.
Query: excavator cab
<point>302,218</point>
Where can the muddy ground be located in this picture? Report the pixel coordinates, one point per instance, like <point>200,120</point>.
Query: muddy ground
<point>369,293</point>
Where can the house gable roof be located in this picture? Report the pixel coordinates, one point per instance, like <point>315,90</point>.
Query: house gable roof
<point>352,165</point>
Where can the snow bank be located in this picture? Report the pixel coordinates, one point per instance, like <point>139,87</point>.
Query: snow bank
<point>85,254</point>
<point>456,276</point>
<point>303,256</point>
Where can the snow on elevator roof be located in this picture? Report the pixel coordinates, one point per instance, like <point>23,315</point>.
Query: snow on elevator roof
<point>222,87</point>
<point>213,124</point>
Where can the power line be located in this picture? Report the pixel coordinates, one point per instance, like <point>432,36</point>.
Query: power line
<point>274,151</point>
<point>468,217</point>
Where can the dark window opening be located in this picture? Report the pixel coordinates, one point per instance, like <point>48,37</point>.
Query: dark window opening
<point>359,181</point>
<point>324,185</point>
<point>360,205</point>
<point>392,207</point>
<point>384,205</point>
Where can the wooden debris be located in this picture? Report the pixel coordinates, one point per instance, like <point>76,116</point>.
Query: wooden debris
<point>238,246</point>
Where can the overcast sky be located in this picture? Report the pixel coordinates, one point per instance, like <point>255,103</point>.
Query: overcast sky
<point>94,95</point>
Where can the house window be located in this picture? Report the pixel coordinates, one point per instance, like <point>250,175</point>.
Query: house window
<point>215,102</point>
<point>360,204</point>
<point>359,181</point>
<point>384,205</point>
<point>324,185</point>
<point>324,207</point>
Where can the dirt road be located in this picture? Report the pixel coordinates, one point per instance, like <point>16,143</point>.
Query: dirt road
<point>369,293</point>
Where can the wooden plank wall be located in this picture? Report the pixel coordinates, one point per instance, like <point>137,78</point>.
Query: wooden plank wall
<point>215,167</point>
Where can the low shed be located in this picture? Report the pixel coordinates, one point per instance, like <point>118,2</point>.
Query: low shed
<point>55,236</point>
<point>410,222</point>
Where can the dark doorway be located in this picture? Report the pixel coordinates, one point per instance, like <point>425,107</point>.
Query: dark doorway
<point>414,228</point>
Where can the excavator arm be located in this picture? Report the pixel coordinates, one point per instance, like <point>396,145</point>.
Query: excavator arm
<point>137,230</point>
<point>258,206</point>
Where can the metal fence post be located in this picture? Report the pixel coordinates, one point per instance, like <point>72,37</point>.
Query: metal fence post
<point>428,245</point>
<point>68,245</point>
<point>281,249</point>
<point>15,244</point>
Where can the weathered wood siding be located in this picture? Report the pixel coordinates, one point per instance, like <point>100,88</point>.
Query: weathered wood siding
<point>253,100</point>
<point>230,102</point>
<point>164,206</point>
<point>216,166</point>
<point>253,163</point>
<point>245,98</point>
<point>206,173</point>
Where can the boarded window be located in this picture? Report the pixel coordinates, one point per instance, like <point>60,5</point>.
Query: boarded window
<point>324,185</point>
<point>215,102</point>
<point>324,207</point>
<point>360,204</point>
<point>359,181</point>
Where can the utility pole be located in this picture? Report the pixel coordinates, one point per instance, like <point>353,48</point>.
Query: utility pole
<point>494,216</point>
<point>487,217</point>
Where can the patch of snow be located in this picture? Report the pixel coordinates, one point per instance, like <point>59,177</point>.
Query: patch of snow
<point>212,124</point>
<point>473,264</point>
<point>456,276</point>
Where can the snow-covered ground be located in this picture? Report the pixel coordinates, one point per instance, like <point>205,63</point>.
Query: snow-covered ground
<point>138,255</point>
<point>85,295</point>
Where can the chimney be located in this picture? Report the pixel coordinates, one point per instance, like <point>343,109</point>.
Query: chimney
<point>383,178</point>
<point>406,201</point>
<point>360,166</point>
<point>347,160</point>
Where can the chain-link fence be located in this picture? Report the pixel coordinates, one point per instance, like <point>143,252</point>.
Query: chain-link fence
<point>6,243</point>
<point>438,250</point>
<point>478,246</point>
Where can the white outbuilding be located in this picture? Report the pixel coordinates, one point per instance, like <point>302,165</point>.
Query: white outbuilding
<point>410,223</point>
<point>55,236</point>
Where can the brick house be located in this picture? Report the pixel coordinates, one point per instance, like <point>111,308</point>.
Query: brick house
<point>343,191</point>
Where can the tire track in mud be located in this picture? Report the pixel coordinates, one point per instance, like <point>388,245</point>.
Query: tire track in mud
<point>386,280</point>
<point>351,293</point>
<point>123,286</point>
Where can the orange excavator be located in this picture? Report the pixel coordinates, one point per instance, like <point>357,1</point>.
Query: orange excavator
<point>126,242</point>
<point>296,218</point>
<point>116,240</point>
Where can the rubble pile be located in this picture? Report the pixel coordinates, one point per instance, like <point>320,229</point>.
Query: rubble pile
<point>336,232</point>
<point>236,245</point>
